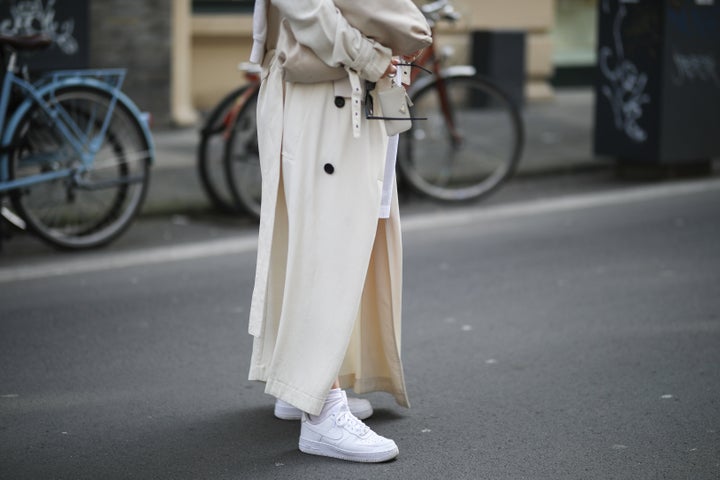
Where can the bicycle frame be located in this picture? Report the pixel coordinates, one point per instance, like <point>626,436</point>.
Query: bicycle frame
<point>253,86</point>
<point>42,93</point>
<point>429,57</point>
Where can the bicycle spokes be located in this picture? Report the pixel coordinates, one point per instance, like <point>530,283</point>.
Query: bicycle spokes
<point>95,179</point>
<point>469,143</point>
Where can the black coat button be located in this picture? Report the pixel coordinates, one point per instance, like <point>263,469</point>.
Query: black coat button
<point>329,169</point>
<point>339,102</point>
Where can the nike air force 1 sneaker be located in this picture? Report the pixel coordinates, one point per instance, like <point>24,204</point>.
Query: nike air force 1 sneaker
<point>342,435</point>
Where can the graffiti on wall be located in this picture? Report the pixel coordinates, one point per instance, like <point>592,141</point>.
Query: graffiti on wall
<point>32,17</point>
<point>625,85</point>
<point>695,67</point>
<point>694,64</point>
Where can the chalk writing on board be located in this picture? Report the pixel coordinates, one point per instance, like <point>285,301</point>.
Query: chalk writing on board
<point>31,17</point>
<point>626,85</point>
<point>690,68</point>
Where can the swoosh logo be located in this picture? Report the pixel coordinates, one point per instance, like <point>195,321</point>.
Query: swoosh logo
<point>334,434</point>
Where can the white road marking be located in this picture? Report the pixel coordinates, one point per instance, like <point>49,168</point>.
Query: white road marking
<point>474,215</point>
<point>133,258</point>
<point>411,223</point>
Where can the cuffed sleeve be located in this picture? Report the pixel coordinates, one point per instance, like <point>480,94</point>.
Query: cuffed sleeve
<point>319,25</point>
<point>259,32</point>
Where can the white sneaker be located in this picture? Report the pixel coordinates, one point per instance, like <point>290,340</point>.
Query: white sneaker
<point>341,435</point>
<point>359,407</point>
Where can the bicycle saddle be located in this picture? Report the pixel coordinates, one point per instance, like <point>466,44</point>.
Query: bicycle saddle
<point>32,42</point>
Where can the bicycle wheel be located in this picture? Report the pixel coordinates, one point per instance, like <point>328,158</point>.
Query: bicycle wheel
<point>90,206</point>
<point>468,146</point>
<point>242,160</point>
<point>210,153</point>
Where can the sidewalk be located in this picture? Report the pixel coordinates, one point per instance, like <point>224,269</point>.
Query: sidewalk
<point>558,140</point>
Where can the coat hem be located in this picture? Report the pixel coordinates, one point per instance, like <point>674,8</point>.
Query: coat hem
<point>377,384</point>
<point>287,393</point>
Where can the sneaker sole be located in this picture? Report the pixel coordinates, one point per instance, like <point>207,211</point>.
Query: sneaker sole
<point>324,450</point>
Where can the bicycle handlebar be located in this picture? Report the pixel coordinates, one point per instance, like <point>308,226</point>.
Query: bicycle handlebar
<point>440,10</point>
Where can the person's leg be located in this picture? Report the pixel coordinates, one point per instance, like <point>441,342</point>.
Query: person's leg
<point>359,407</point>
<point>332,191</point>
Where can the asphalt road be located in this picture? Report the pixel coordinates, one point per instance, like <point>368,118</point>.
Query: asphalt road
<point>574,337</point>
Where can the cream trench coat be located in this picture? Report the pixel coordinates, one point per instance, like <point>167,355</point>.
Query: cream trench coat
<point>327,295</point>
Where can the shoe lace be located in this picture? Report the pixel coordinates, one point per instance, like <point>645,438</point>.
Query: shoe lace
<point>352,423</point>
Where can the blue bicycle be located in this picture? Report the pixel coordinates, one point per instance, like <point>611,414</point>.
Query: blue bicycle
<point>75,152</point>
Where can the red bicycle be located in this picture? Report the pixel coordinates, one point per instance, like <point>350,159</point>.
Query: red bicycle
<point>473,137</point>
<point>231,123</point>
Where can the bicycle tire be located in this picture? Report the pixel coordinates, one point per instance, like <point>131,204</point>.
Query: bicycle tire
<point>210,154</point>
<point>482,155</point>
<point>242,159</point>
<point>94,207</point>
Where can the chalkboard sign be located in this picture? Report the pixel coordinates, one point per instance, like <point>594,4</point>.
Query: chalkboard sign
<point>65,21</point>
<point>657,96</point>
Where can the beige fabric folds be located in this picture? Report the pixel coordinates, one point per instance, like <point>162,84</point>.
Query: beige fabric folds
<point>327,298</point>
<point>394,27</point>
